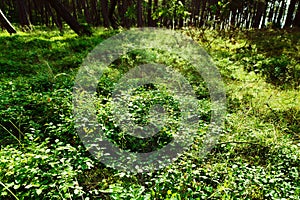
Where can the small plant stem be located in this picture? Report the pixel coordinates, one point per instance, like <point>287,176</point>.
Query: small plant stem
<point>10,133</point>
<point>17,128</point>
<point>9,190</point>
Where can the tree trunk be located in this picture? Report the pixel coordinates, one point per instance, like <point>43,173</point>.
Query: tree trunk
<point>71,21</point>
<point>139,13</point>
<point>126,22</point>
<point>104,10</point>
<point>56,19</point>
<point>23,14</point>
<point>258,15</point>
<point>275,15</point>
<point>195,12</point>
<point>280,15</point>
<point>87,13</point>
<point>74,9</point>
<point>113,22</point>
<point>149,14</point>
<point>95,13</point>
<point>233,17</point>
<point>155,7</point>
<point>6,24</point>
<point>289,17</point>
<point>263,24</point>
<point>180,20</point>
<point>239,18</point>
<point>234,6</point>
<point>296,21</point>
<point>271,12</point>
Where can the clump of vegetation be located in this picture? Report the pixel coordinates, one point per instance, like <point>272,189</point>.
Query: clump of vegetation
<point>256,157</point>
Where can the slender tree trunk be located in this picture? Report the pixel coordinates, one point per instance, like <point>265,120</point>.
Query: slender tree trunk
<point>139,13</point>
<point>96,14</point>
<point>234,6</point>
<point>289,17</point>
<point>163,19</point>
<point>126,22</point>
<point>174,19</point>
<point>280,15</point>
<point>296,21</point>
<point>104,10</point>
<point>155,6</point>
<point>74,9</point>
<point>29,11</point>
<point>240,15</point>
<point>276,14</point>
<point>233,18</point>
<point>195,12</point>
<point>112,20</point>
<point>80,7</point>
<point>248,16</point>
<point>180,20</point>
<point>263,24</point>
<point>23,14</point>
<point>87,13</point>
<point>252,8</point>
<point>149,14</point>
<point>6,24</point>
<point>71,21</point>
<point>271,12</point>
<point>201,13</point>
<point>56,19</point>
<point>258,15</point>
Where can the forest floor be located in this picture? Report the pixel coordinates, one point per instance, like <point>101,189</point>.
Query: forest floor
<point>257,155</point>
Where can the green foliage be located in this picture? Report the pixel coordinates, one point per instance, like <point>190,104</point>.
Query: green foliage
<point>174,10</point>
<point>45,170</point>
<point>257,156</point>
<point>277,70</point>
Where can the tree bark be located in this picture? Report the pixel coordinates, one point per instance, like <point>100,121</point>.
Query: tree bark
<point>87,13</point>
<point>56,19</point>
<point>197,12</point>
<point>155,7</point>
<point>139,13</point>
<point>104,10</point>
<point>95,13</point>
<point>195,9</point>
<point>289,17</point>
<point>234,6</point>
<point>126,22</point>
<point>275,15</point>
<point>23,14</point>
<point>6,24</point>
<point>258,15</point>
<point>296,21</point>
<point>271,12</point>
<point>263,24</point>
<point>149,14</point>
<point>280,15</point>
<point>71,21</point>
<point>180,20</point>
<point>113,22</point>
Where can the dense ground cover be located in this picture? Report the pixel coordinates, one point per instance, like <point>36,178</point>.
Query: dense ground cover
<point>256,157</point>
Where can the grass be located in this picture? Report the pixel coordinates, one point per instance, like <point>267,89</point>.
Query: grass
<point>256,157</point>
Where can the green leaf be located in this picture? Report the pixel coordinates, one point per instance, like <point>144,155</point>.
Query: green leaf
<point>39,191</point>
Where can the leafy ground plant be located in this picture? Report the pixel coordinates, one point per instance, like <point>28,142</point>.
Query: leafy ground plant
<point>256,157</point>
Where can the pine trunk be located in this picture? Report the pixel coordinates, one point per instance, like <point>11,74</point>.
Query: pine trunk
<point>6,24</point>
<point>289,17</point>
<point>139,13</point>
<point>23,14</point>
<point>71,21</point>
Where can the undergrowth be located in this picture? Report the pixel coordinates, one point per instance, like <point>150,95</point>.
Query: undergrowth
<point>257,155</point>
